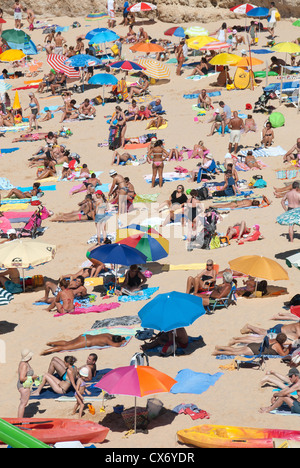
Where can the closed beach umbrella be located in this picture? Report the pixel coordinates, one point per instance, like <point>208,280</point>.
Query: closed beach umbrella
<point>200,41</point>
<point>258,266</point>
<point>142,6</point>
<point>57,62</point>
<point>137,381</point>
<point>146,240</point>
<point>289,218</point>
<point>12,55</point>
<point>195,31</point>
<point>155,69</point>
<point>225,59</point>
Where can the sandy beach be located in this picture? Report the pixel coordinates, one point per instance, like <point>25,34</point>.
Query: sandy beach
<point>237,396</point>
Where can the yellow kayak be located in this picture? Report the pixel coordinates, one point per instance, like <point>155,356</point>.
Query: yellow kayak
<point>213,436</point>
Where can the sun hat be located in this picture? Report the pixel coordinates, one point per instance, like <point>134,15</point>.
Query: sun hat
<point>66,165</point>
<point>217,111</point>
<point>26,355</point>
<point>11,231</point>
<point>99,192</point>
<point>112,172</point>
<point>84,372</point>
<point>243,52</point>
<point>256,226</point>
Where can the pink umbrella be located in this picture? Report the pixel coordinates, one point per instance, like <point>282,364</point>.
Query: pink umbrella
<point>58,63</point>
<point>242,9</point>
<point>216,46</point>
<point>136,381</point>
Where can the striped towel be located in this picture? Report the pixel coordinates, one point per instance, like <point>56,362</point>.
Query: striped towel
<point>5,297</point>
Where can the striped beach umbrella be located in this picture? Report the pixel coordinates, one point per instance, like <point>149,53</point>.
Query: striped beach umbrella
<point>195,31</point>
<point>146,240</point>
<point>127,65</point>
<point>216,46</point>
<point>96,16</point>
<point>142,6</point>
<point>155,69</point>
<point>57,62</point>
<point>4,86</point>
<point>242,9</point>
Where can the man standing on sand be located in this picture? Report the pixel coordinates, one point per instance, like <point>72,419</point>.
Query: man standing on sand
<point>293,201</point>
<point>30,18</point>
<point>59,42</point>
<point>236,124</point>
<point>272,19</point>
<point>111,13</point>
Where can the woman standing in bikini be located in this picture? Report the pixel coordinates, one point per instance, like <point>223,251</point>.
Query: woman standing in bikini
<point>157,155</point>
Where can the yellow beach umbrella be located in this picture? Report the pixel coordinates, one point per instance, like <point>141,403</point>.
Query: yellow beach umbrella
<point>12,55</point>
<point>199,42</point>
<point>258,266</point>
<point>155,69</point>
<point>17,104</point>
<point>225,59</point>
<point>287,47</point>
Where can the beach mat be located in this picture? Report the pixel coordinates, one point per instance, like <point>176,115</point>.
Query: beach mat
<point>136,145</point>
<point>93,309</point>
<point>189,381</point>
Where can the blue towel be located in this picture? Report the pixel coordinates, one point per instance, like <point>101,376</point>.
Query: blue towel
<point>189,381</point>
<point>8,150</point>
<point>5,184</point>
<point>44,188</point>
<point>143,295</point>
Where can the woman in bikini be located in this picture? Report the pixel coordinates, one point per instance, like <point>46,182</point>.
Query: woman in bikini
<point>101,217</point>
<point>87,213</point>
<point>34,192</point>
<point>267,135</point>
<point>85,341</point>
<point>62,385</point>
<point>157,155</point>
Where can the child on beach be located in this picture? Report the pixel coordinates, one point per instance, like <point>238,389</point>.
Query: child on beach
<point>80,390</point>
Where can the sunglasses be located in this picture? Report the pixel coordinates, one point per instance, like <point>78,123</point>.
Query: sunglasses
<point>209,265</point>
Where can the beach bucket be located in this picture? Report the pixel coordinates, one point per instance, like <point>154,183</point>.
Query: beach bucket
<point>154,407</point>
<point>141,418</point>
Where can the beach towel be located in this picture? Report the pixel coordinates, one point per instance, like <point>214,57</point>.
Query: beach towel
<point>15,128</point>
<point>5,184</point>
<point>162,127</point>
<point>189,381</point>
<point>145,294</point>
<point>199,77</point>
<point>17,206</point>
<point>196,95</point>
<point>127,340</point>
<point>8,150</point>
<point>167,177</point>
<point>125,320</point>
<point>146,198</point>
<point>92,309</point>
<point>45,188</point>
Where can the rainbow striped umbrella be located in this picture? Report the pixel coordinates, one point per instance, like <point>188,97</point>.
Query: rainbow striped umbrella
<point>155,69</point>
<point>145,239</point>
<point>96,16</point>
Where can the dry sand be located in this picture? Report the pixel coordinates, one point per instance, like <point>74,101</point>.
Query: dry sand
<point>236,398</point>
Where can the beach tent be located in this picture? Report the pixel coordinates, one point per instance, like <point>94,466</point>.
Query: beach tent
<point>244,79</point>
<point>17,104</point>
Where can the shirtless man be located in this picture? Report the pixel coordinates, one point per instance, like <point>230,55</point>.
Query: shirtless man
<point>291,330</point>
<point>293,152</point>
<point>59,43</point>
<point>204,280</point>
<point>204,101</point>
<point>293,201</point>
<point>119,184</point>
<point>245,203</point>
<point>75,284</point>
<point>87,110</point>
<point>142,35</point>
<point>220,291</point>
<point>285,395</point>
<point>30,18</point>
<point>66,295</point>
<point>236,124</point>
<point>118,158</point>
<point>59,81</point>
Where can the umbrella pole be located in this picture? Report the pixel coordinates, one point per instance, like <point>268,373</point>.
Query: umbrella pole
<point>135,414</point>
<point>174,341</point>
<point>23,279</point>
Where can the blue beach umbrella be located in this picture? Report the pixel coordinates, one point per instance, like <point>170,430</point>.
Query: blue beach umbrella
<point>82,60</point>
<point>258,12</point>
<point>103,79</point>
<point>118,255</point>
<point>4,86</point>
<point>170,311</point>
<point>95,31</point>
<point>104,36</point>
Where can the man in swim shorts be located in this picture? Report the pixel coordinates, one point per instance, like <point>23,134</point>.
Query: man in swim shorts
<point>285,395</point>
<point>235,125</point>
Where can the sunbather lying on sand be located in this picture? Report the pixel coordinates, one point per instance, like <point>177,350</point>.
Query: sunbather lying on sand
<point>244,203</point>
<point>85,341</point>
<point>166,339</point>
<point>277,346</point>
<point>292,330</point>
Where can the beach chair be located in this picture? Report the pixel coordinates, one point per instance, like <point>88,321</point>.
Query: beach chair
<point>257,361</point>
<point>210,170</point>
<point>224,301</point>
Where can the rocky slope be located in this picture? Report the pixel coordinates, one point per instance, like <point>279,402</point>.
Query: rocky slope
<point>175,11</point>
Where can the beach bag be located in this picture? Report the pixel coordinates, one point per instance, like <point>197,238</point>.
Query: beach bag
<point>215,243</point>
<point>142,420</point>
<point>295,300</point>
<point>138,359</point>
<point>277,16</point>
<point>97,100</point>
<point>224,241</point>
